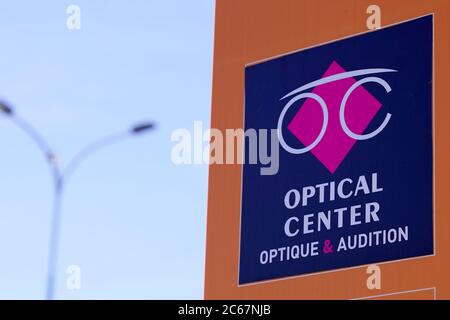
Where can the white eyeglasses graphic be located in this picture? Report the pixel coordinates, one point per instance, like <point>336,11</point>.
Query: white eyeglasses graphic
<point>298,95</point>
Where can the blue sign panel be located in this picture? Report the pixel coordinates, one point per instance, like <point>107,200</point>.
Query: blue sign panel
<point>347,131</point>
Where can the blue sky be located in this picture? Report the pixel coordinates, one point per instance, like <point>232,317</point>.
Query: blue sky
<point>133,221</point>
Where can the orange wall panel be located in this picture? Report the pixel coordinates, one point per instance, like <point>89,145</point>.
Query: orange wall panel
<point>252,30</point>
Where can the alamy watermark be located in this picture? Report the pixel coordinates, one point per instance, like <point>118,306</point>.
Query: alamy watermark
<point>73,21</point>
<point>213,146</point>
<point>73,281</point>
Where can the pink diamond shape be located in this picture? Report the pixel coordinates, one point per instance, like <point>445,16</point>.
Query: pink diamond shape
<point>361,108</point>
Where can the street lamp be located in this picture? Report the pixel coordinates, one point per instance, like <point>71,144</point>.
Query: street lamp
<point>60,177</point>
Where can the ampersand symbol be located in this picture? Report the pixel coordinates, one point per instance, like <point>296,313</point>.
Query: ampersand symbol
<point>328,247</point>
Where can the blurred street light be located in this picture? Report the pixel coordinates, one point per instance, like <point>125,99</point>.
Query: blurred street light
<point>60,177</point>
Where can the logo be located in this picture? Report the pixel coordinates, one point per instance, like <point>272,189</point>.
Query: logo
<point>346,109</point>
<point>354,185</point>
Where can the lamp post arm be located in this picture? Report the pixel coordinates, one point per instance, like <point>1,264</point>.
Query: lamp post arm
<point>41,143</point>
<point>90,149</point>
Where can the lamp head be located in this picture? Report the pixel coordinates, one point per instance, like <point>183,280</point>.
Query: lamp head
<point>5,108</point>
<point>142,128</point>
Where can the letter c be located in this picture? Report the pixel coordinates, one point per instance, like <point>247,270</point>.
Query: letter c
<point>287,227</point>
<point>344,126</point>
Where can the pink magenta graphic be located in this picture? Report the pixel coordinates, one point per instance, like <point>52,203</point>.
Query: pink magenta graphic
<point>360,110</point>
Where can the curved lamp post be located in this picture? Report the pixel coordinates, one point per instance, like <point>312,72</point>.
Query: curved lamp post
<point>60,177</point>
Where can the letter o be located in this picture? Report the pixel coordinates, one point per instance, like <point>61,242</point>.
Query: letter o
<point>287,199</point>
<point>322,104</point>
<point>264,257</point>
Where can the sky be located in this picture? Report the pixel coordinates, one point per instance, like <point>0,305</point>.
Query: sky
<point>133,221</point>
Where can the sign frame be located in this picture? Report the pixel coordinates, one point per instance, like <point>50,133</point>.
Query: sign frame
<point>433,161</point>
